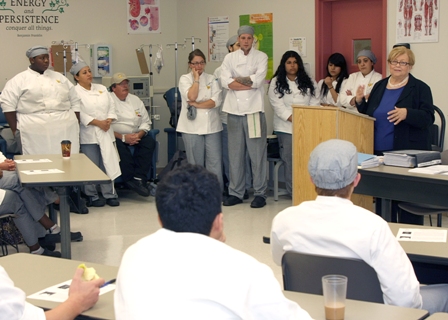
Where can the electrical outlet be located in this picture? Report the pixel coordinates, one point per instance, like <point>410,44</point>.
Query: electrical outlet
<point>156,116</point>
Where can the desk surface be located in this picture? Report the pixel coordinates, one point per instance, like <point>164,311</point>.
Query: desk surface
<point>32,273</point>
<point>50,271</point>
<point>431,252</point>
<point>355,310</point>
<point>78,170</point>
<point>438,316</point>
<point>397,183</point>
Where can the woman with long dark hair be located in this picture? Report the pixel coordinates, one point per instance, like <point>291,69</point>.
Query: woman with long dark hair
<point>290,85</point>
<point>334,81</point>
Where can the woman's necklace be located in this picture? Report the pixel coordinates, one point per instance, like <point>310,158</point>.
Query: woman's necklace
<point>398,84</point>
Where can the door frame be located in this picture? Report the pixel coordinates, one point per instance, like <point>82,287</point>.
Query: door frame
<point>323,41</point>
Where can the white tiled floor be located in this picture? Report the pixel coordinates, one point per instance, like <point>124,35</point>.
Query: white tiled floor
<point>109,231</point>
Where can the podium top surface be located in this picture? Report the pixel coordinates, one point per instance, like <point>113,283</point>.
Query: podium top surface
<point>353,112</point>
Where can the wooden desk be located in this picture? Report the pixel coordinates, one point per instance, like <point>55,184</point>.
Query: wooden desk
<point>438,316</point>
<point>395,183</point>
<point>78,171</point>
<point>430,259</point>
<point>354,309</point>
<point>32,273</point>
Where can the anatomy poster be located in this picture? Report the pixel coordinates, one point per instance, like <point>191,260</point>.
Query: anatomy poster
<point>143,16</point>
<point>418,21</point>
<point>218,34</point>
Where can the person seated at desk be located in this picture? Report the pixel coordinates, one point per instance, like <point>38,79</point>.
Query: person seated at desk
<point>131,129</point>
<point>185,271</point>
<point>332,225</point>
<point>10,203</point>
<point>82,296</point>
<point>35,201</point>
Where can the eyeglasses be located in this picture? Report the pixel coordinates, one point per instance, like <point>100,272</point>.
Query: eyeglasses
<point>198,63</point>
<point>401,63</point>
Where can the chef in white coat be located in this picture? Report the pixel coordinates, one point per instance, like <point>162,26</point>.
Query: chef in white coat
<point>43,105</point>
<point>366,76</point>
<point>96,135</point>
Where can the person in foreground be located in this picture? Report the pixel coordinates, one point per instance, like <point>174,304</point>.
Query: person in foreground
<point>82,296</point>
<point>185,271</point>
<point>332,225</point>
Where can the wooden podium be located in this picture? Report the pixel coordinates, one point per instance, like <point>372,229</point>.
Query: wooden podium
<point>315,124</point>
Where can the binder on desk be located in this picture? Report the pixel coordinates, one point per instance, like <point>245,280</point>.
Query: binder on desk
<point>412,158</point>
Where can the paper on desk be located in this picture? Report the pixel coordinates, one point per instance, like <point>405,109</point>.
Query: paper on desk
<point>43,171</point>
<point>32,160</point>
<point>421,235</point>
<point>437,169</point>
<point>59,292</point>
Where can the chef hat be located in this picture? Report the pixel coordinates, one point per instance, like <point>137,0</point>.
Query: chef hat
<point>36,51</point>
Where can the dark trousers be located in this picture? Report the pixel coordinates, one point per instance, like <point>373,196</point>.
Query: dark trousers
<point>137,164</point>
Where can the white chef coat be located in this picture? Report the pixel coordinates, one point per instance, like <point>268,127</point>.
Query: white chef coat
<point>253,65</point>
<point>354,81</point>
<point>45,105</point>
<point>222,114</point>
<point>12,301</point>
<point>328,99</point>
<point>96,104</point>
<point>335,227</point>
<point>170,275</point>
<point>283,107</point>
<point>131,115</point>
<point>207,120</point>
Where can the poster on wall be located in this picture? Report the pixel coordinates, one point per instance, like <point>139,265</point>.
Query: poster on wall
<point>418,21</point>
<point>143,16</point>
<point>263,36</point>
<point>298,44</point>
<point>218,34</point>
<point>32,19</point>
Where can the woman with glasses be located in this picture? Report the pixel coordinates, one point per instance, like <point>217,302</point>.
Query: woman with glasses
<point>335,80</point>
<point>365,77</point>
<point>199,119</point>
<point>404,112</point>
<point>290,85</point>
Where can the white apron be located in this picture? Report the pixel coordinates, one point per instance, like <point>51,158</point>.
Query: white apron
<point>42,133</point>
<point>109,153</point>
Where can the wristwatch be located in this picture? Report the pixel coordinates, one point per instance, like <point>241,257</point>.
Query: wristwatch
<point>123,138</point>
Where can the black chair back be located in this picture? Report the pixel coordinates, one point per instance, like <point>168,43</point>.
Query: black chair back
<point>438,136</point>
<point>170,99</point>
<point>303,273</point>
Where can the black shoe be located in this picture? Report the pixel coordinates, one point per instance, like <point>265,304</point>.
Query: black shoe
<point>113,202</point>
<point>47,245</point>
<point>56,238</point>
<point>231,201</point>
<point>48,253</point>
<point>246,195</point>
<point>95,203</point>
<point>137,186</point>
<point>73,208</point>
<point>258,202</point>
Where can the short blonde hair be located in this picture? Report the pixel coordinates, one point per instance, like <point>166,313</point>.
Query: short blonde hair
<point>398,51</point>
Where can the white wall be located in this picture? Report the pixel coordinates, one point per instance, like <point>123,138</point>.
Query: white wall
<point>104,21</point>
